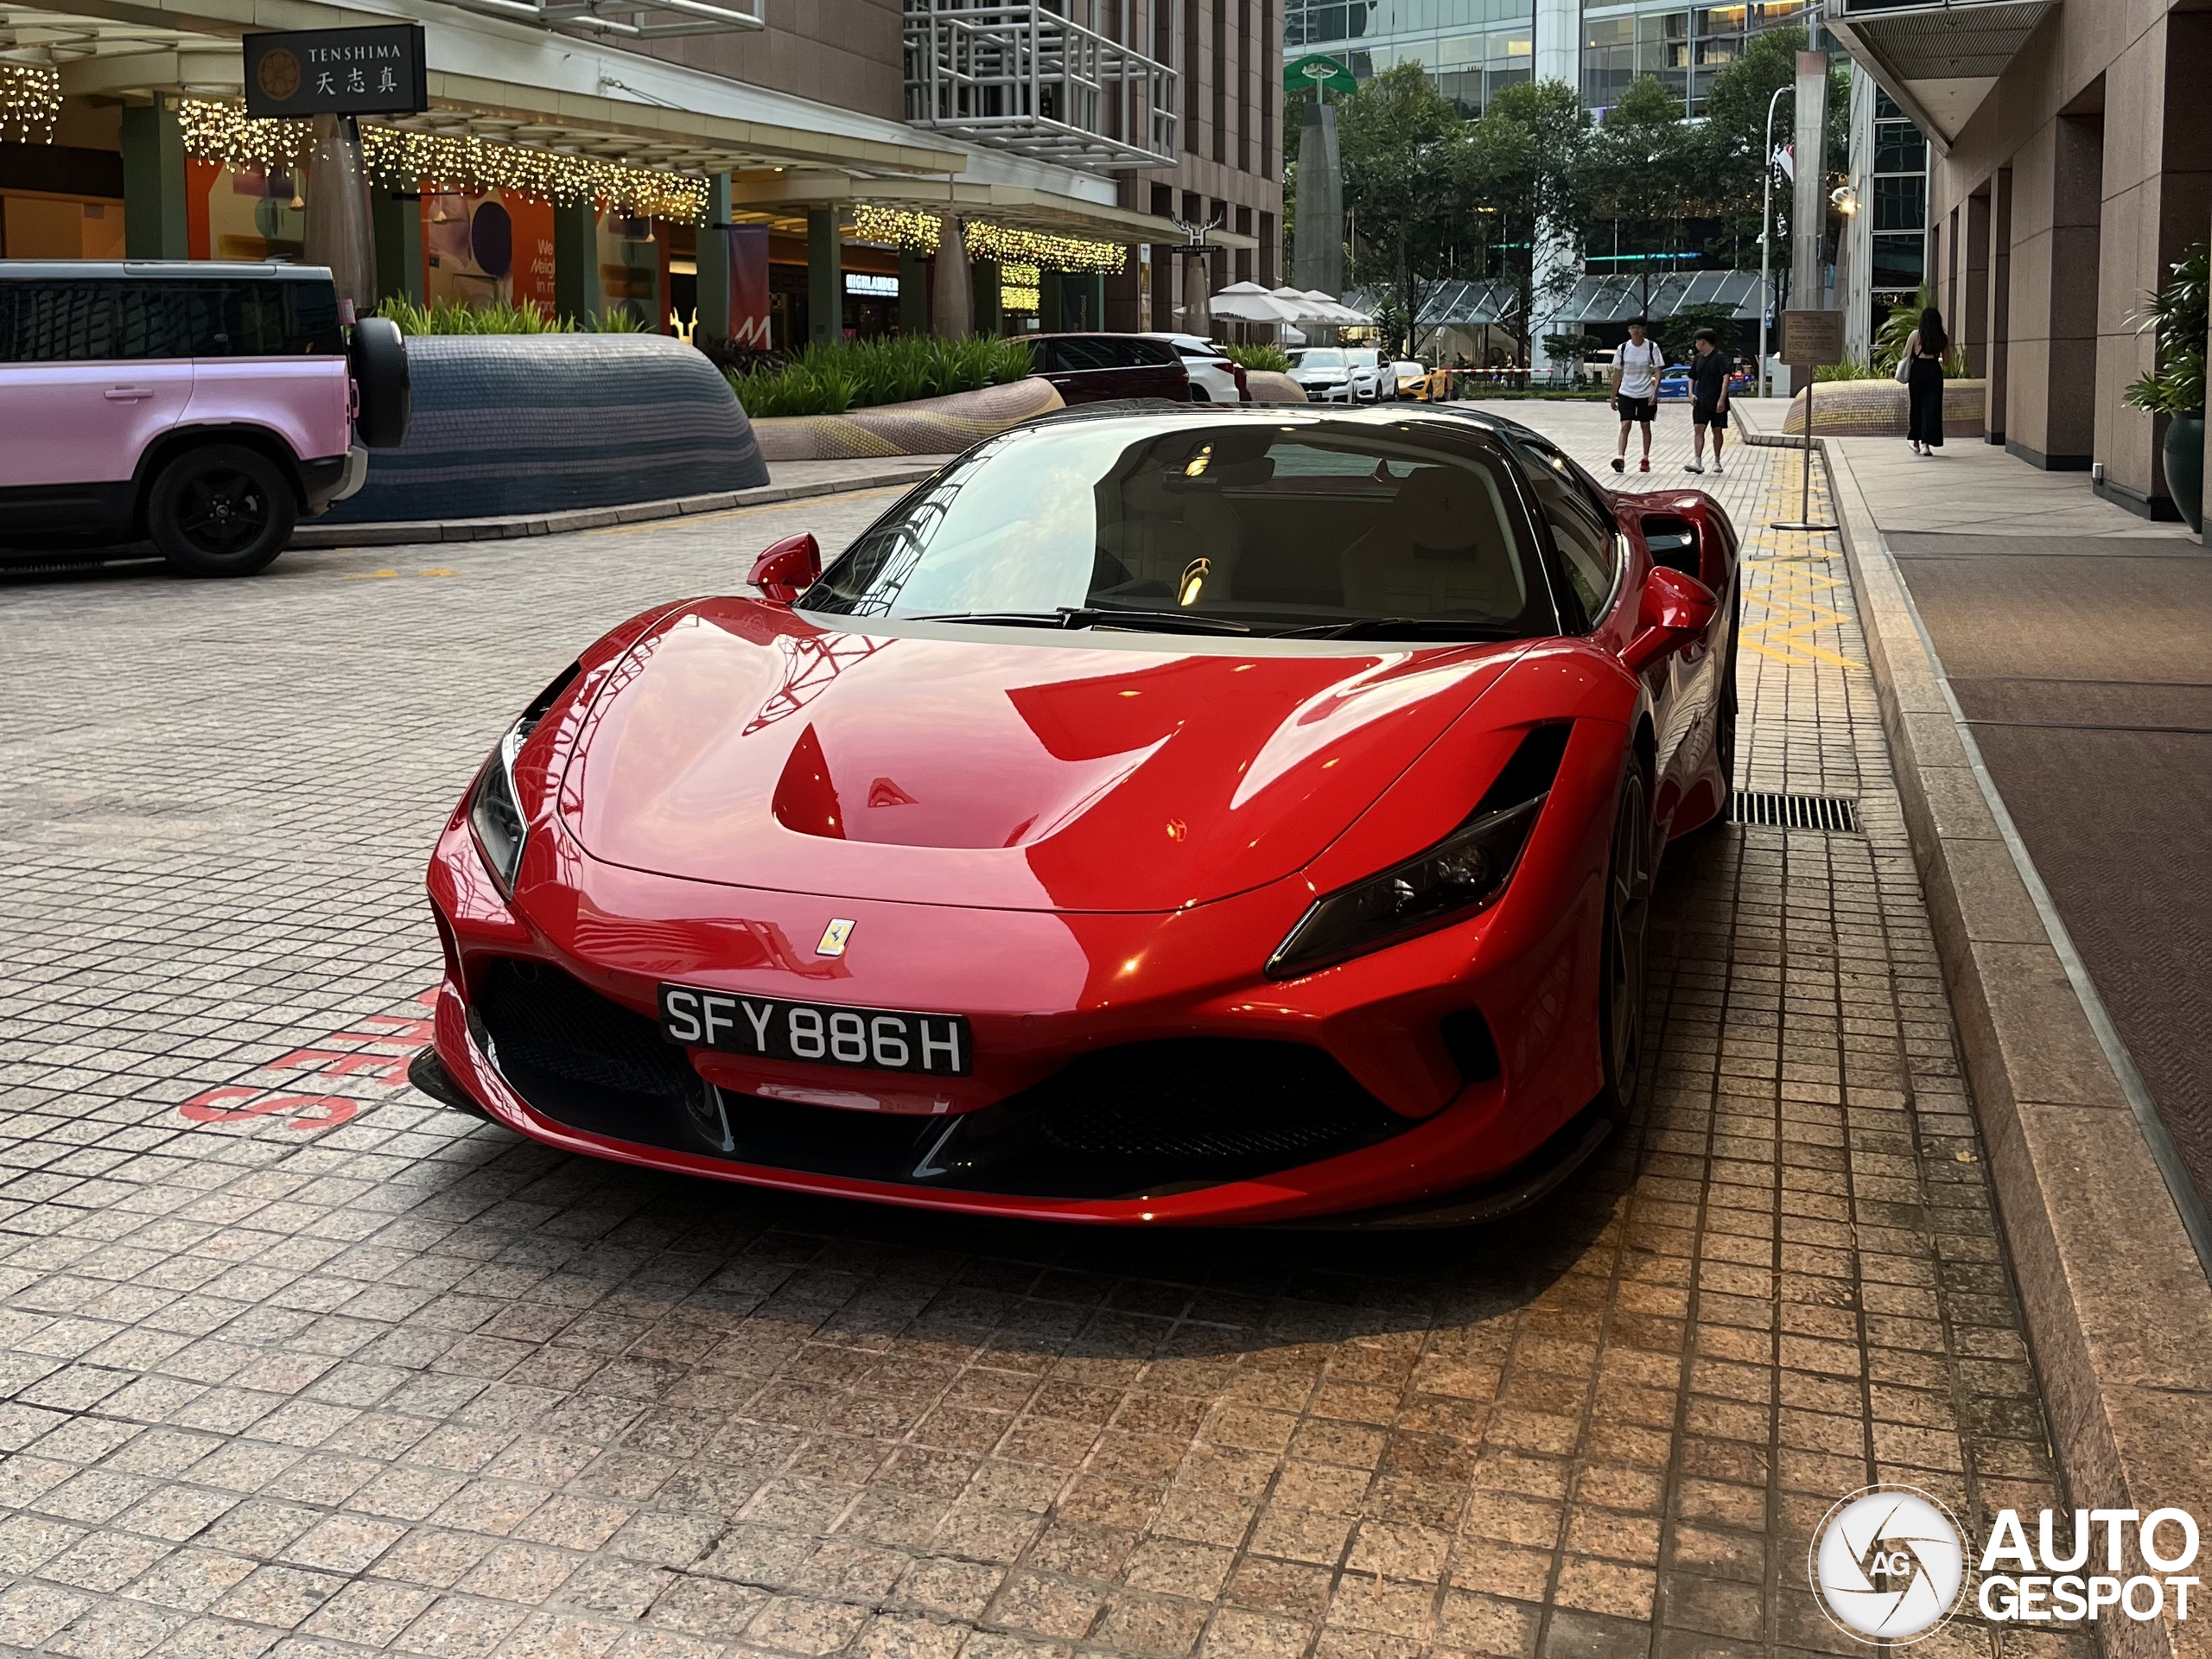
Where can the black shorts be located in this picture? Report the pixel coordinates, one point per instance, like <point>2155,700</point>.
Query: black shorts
<point>1704,414</point>
<point>1637,409</point>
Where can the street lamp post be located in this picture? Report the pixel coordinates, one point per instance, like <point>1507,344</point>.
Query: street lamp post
<point>1766,228</point>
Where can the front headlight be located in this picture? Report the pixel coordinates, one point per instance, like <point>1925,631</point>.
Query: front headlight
<point>494,814</point>
<point>1461,874</point>
<point>494,810</point>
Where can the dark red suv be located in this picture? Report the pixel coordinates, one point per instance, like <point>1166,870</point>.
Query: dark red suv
<point>1094,368</point>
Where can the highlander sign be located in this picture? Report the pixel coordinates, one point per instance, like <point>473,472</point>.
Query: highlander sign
<point>336,72</point>
<point>1889,1565</point>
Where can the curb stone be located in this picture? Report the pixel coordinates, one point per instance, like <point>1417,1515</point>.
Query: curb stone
<point>2118,1307</point>
<point>312,535</point>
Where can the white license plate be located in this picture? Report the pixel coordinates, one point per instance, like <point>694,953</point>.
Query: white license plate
<point>818,1034</point>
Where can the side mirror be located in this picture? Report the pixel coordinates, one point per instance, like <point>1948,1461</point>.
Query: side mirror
<point>787,569</point>
<point>1676,611</point>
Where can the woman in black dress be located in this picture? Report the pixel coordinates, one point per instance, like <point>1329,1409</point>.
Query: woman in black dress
<point>1923,354</point>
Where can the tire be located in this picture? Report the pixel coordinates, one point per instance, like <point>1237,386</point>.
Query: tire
<point>1625,938</point>
<point>1199,394</point>
<point>378,365</point>
<point>221,510</point>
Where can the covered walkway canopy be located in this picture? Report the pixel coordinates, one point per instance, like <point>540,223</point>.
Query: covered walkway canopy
<point>1593,300</point>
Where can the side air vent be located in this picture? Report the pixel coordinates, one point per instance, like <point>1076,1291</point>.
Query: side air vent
<point>1672,542</point>
<point>1529,771</point>
<point>1836,815</point>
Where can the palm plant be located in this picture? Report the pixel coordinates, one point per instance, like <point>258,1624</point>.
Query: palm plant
<point>2176,316</point>
<point>1890,341</point>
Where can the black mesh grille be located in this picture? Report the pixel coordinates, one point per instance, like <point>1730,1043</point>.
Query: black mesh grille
<point>543,1021</point>
<point>1139,1117</point>
<point>1202,1101</point>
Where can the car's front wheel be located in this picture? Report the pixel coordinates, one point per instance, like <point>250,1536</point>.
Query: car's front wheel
<point>1623,946</point>
<point>220,511</point>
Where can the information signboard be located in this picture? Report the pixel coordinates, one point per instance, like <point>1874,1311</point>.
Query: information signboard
<point>377,70</point>
<point>1811,339</point>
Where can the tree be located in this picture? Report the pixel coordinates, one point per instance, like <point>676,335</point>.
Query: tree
<point>1678,333</point>
<point>1644,174</point>
<point>1405,160</point>
<point>1527,167</point>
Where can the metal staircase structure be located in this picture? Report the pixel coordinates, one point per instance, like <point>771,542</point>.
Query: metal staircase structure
<point>1041,78</point>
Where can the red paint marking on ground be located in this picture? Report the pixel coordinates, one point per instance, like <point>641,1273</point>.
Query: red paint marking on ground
<point>392,1040</point>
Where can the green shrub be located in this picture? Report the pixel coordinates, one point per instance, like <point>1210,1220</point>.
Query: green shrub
<point>501,317</point>
<point>1851,368</point>
<point>450,317</point>
<point>866,374</point>
<point>1260,357</point>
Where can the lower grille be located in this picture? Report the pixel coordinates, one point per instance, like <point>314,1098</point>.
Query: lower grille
<point>1198,1103</point>
<point>1140,1117</point>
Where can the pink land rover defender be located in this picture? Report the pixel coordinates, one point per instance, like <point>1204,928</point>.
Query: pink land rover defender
<point>205,407</point>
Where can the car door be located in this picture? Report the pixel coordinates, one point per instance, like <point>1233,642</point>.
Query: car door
<point>92,372</point>
<point>1076,367</point>
<point>1606,576</point>
<point>269,354</point>
<point>1141,368</point>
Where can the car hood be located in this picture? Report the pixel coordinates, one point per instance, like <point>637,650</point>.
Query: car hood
<point>738,744</point>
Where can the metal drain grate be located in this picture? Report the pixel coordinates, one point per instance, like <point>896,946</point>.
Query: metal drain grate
<point>1834,814</point>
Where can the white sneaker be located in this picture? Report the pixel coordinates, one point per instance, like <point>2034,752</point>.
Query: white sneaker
<point>1718,467</point>
<point>1693,467</point>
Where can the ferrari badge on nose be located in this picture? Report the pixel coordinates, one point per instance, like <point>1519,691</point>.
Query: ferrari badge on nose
<point>834,938</point>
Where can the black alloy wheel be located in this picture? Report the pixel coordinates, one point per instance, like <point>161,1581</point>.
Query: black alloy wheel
<point>1625,943</point>
<point>221,510</point>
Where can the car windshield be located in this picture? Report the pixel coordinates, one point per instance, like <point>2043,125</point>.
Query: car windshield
<point>1321,360</point>
<point>1287,526</point>
<point>1363,359</point>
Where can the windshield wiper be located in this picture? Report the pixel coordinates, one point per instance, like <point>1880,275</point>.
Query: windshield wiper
<point>1433,628</point>
<point>1085,616</point>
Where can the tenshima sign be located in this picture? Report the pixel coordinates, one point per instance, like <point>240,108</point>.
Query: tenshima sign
<point>1888,1565</point>
<point>376,71</point>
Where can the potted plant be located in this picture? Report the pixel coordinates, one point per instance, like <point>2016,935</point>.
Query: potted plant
<point>2176,318</point>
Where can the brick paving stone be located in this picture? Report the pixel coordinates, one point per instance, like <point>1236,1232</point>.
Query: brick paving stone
<point>293,1363</point>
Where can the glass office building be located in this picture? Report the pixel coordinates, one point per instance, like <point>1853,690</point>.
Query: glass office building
<point>1682,47</point>
<point>1471,47</point>
<point>1900,179</point>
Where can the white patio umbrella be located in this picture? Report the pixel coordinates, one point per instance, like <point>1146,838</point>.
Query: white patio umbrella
<point>1249,302</point>
<point>1336,310</point>
<point>1313,306</point>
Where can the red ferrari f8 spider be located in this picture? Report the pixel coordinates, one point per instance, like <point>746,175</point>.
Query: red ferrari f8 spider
<point>1158,815</point>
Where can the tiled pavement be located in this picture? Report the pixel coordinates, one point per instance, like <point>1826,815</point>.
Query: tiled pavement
<point>291,1362</point>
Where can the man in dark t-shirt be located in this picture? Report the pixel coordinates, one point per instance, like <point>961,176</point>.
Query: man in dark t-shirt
<point>1710,367</point>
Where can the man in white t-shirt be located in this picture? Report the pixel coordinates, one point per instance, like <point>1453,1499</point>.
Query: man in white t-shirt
<point>1636,391</point>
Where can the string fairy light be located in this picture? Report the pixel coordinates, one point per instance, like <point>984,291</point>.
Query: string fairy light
<point>399,155</point>
<point>1003,243</point>
<point>223,132</point>
<point>30,99</point>
<point>1017,287</point>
